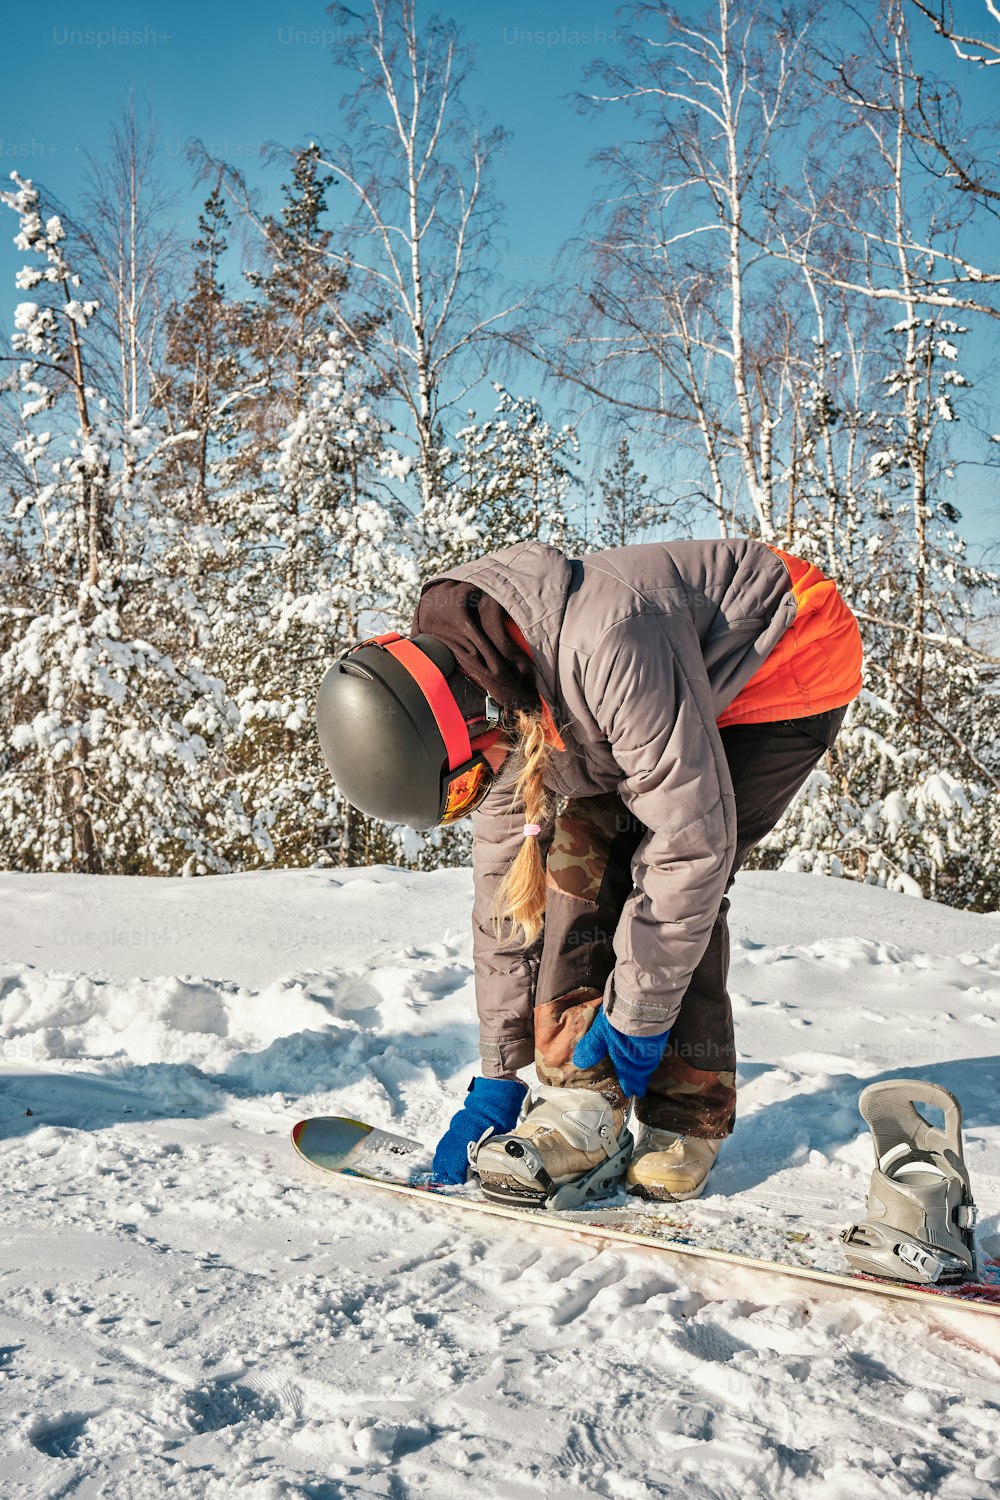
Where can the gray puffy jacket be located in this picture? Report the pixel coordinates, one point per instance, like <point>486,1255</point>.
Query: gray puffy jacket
<point>637,651</point>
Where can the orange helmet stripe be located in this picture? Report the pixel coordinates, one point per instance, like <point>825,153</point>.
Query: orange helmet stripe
<point>434,686</point>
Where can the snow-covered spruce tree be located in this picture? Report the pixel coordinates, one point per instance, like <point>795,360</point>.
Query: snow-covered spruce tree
<point>315,545</point>
<point>321,566</point>
<point>203,395</point>
<point>299,290</point>
<point>627,508</point>
<point>111,746</point>
<point>505,480</point>
<point>202,383</point>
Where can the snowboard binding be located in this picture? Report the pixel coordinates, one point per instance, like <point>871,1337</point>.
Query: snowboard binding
<point>920,1214</point>
<point>520,1168</point>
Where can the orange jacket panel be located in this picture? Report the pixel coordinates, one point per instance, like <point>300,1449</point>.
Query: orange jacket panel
<point>817,663</point>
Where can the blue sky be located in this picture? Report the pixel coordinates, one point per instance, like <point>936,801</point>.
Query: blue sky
<point>240,77</point>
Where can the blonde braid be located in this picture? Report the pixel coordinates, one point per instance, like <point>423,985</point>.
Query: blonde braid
<point>519,904</point>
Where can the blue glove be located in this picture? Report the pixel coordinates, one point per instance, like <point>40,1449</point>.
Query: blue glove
<point>490,1101</point>
<point>634,1058</point>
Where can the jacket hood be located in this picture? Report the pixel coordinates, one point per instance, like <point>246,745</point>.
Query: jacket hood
<point>477,630</point>
<point>532,582</point>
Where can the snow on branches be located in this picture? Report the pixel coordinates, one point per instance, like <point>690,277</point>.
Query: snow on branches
<point>112,724</point>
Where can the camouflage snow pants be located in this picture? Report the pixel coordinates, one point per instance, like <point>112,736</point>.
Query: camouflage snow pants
<point>589,878</point>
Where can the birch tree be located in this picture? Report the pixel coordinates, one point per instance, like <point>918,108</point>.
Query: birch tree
<point>416,166</point>
<point>917,129</point>
<point>125,252</point>
<point>967,39</point>
<point>682,303</point>
<point>917,763</point>
<point>779,289</point>
<point>901,225</point>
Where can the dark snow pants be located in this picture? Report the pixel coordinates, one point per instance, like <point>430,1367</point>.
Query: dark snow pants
<point>589,878</point>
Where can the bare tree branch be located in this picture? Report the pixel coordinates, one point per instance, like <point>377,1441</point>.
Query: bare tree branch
<point>942,19</point>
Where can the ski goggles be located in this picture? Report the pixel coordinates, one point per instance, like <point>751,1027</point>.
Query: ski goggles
<point>464,789</point>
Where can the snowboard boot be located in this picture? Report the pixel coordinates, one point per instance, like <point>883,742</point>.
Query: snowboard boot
<point>570,1147</point>
<point>670,1166</point>
<point>920,1213</point>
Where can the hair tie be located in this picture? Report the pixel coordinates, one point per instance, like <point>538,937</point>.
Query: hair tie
<point>530,828</point>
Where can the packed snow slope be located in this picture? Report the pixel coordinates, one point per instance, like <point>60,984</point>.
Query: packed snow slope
<point>188,1310</point>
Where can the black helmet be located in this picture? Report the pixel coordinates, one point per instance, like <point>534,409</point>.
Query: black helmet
<point>393,717</point>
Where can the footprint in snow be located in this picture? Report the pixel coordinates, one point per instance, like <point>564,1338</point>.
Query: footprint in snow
<point>63,1436</point>
<point>227,1403</point>
<point>213,1407</point>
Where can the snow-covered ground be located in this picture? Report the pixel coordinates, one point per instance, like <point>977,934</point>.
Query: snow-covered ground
<point>187,1310</point>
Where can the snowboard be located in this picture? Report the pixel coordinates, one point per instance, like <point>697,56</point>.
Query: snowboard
<point>714,1233</point>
